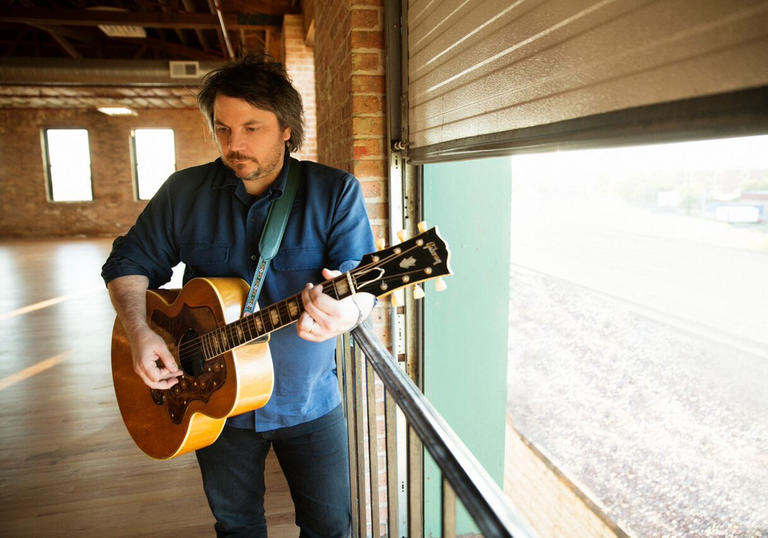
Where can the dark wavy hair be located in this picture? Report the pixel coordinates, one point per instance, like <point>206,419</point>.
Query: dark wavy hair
<point>262,83</point>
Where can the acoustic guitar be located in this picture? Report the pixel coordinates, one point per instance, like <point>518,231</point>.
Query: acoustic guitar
<point>225,357</point>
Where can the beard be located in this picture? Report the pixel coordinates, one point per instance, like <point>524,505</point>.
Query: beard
<point>249,168</point>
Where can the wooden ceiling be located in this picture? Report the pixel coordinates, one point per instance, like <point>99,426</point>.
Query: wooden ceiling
<point>85,53</point>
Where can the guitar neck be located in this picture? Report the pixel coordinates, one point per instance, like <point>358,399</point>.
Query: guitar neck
<point>266,320</point>
<point>420,258</point>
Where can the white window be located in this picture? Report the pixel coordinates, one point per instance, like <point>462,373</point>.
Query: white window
<point>154,155</point>
<point>69,165</point>
<point>638,342</point>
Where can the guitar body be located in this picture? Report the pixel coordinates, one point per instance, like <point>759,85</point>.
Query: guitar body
<point>191,414</point>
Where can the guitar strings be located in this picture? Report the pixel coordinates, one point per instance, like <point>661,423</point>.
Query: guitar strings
<point>189,347</point>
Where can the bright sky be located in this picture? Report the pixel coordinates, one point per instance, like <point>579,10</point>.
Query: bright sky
<point>726,153</point>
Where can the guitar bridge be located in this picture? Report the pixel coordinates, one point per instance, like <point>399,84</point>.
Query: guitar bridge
<point>191,389</point>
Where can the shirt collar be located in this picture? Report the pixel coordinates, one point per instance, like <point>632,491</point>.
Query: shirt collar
<point>277,187</point>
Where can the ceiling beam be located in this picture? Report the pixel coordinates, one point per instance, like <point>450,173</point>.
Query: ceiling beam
<point>78,17</point>
<point>63,43</point>
<point>178,50</point>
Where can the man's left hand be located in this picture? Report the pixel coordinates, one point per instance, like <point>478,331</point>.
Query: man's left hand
<point>325,317</point>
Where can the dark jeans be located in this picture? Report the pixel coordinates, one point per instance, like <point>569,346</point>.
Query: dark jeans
<point>315,461</point>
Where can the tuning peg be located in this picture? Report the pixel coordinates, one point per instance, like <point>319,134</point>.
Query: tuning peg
<point>440,284</point>
<point>381,243</point>
<point>401,235</point>
<point>418,292</point>
<point>422,226</point>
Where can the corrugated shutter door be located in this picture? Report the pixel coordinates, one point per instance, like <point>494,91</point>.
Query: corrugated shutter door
<point>478,67</point>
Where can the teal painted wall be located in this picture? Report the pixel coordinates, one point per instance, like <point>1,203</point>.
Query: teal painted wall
<point>465,346</point>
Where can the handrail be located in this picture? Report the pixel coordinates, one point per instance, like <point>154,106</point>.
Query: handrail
<point>481,496</point>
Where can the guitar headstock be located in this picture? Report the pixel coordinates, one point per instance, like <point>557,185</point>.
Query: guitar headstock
<point>423,257</point>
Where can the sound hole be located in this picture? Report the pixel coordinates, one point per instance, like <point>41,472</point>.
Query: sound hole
<point>190,354</point>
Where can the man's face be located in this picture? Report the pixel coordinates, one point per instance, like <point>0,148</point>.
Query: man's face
<point>250,141</point>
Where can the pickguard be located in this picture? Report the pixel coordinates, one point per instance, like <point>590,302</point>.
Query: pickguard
<point>201,377</point>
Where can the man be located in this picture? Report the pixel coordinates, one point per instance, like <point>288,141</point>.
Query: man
<point>210,217</point>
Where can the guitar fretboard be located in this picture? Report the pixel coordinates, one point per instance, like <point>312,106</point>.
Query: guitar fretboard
<point>264,321</point>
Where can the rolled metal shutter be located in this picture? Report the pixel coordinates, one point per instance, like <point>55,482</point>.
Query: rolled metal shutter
<point>478,67</point>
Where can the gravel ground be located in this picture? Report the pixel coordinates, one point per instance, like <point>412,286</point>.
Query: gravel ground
<point>666,430</point>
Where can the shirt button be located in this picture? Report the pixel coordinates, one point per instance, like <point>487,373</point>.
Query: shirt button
<point>253,257</point>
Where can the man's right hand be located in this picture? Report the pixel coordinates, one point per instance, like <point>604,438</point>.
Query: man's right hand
<point>152,361</point>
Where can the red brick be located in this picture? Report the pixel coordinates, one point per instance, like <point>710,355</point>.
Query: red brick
<point>366,147</point>
<point>367,61</point>
<point>368,84</point>
<point>377,210</point>
<point>372,189</point>
<point>370,169</point>
<point>367,39</point>
<point>366,104</point>
<point>368,125</point>
<point>364,18</point>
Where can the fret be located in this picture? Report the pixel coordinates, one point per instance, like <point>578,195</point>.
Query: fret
<point>210,342</point>
<point>199,343</point>
<point>282,308</point>
<point>235,334</point>
<point>226,340</point>
<point>331,290</point>
<point>341,287</point>
<point>264,319</point>
<point>215,341</point>
<point>294,307</point>
<point>207,346</point>
<point>274,316</point>
<point>240,334</point>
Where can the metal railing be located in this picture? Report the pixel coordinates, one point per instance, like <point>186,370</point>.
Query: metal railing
<point>387,500</point>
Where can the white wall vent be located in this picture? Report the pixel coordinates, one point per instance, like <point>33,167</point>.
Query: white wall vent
<point>184,69</point>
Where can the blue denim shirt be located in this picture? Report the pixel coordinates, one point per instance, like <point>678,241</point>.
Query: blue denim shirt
<point>204,217</point>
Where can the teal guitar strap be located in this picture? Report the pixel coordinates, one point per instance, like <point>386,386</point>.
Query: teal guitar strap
<point>272,234</point>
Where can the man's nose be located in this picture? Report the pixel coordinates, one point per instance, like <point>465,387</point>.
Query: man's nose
<point>236,141</point>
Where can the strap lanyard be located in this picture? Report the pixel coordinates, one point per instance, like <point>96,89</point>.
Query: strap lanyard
<point>272,234</point>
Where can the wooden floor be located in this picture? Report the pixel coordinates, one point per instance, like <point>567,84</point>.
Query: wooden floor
<point>67,465</point>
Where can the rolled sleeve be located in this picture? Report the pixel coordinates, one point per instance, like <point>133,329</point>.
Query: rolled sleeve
<point>148,248</point>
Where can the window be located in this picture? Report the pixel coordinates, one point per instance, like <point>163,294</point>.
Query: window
<point>69,165</point>
<point>154,157</point>
<point>638,343</point>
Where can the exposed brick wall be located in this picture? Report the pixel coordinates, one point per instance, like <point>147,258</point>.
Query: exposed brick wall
<point>24,208</point>
<point>299,61</point>
<point>350,82</point>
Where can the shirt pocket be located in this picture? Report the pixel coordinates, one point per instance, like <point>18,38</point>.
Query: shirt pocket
<point>204,254</point>
<point>299,259</point>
